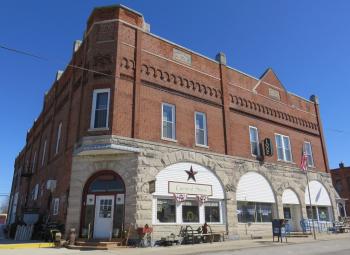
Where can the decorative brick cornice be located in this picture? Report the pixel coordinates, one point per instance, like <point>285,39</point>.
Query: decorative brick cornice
<point>260,109</point>
<point>156,73</point>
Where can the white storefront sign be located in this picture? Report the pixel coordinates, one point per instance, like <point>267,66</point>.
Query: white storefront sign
<point>189,188</point>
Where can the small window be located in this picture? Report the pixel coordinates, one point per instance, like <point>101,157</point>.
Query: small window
<point>44,153</point>
<point>168,121</point>
<point>212,211</point>
<point>308,151</point>
<point>35,192</point>
<point>284,151</point>
<point>254,141</point>
<point>190,211</point>
<point>201,128</point>
<point>100,108</point>
<point>166,211</point>
<point>56,205</point>
<point>58,139</point>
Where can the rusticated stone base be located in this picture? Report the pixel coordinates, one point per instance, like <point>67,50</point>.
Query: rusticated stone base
<point>138,162</point>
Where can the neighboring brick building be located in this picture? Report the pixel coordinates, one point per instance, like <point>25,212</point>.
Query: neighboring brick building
<point>158,134</point>
<point>341,182</point>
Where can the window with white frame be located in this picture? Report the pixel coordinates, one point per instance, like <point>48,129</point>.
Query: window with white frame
<point>33,162</point>
<point>100,108</point>
<point>44,153</point>
<point>284,151</point>
<point>56,205</point>
<point>58,138</point>
<point>308,151</point>
<point>168,121</point>
<point>166,211</point>
<point>35,192</point>
<point>254,141</point>
<point>188,211</point>
<point>201,128</point>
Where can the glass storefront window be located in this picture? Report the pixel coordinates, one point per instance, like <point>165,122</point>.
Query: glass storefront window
<point>212,212</point>
<point>287,213</point>
<point>190,211</point>
<point>314,213</point>
<point>254,212</point>
<point>323,213</point>
<point>166,210</point>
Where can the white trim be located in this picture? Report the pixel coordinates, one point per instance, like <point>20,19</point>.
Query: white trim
<point>284,148</point>
<point>58,138</point>
<point>205,129</point>
<point>257,141</point>
<point>44,153</point>
<point>173,123</point>
<point>93,108</point>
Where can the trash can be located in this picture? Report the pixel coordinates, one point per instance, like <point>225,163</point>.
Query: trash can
<point>279,229</point>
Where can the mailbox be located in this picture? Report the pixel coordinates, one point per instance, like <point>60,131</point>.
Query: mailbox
<point>279,229</point>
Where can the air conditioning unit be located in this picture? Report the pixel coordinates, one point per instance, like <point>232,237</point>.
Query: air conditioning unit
<point>51,185</point>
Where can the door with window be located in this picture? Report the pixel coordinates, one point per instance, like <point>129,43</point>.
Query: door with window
<point>104,211</point>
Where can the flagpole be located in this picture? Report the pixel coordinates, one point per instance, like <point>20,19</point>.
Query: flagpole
<point>312,215</point>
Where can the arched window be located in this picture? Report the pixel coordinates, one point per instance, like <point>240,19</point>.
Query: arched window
<point>106,183</point>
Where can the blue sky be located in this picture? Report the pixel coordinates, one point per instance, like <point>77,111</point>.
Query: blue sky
<point>307,43</point>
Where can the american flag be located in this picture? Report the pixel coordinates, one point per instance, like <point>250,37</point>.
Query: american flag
<point>303,163</point>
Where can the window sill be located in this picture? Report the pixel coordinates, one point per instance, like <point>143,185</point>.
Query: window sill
<point>98,129</point>
<point>286,162</point>
<point>202,146</point>
<point>169,139</point>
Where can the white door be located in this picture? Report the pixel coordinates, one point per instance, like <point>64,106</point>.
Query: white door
<point>104,209</point>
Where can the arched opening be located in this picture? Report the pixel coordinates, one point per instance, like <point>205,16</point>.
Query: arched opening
<point>103,206</point>
<point>291,209</point>
<point>255,199</point>
<point>188,193</point>
<point>321,210</point>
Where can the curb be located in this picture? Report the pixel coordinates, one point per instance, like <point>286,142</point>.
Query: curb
<point>26,245</point>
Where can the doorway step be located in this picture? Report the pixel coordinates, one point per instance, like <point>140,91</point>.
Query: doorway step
<point>96,244</point>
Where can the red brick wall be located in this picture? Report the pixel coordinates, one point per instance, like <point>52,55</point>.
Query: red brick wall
<point>343,176</point>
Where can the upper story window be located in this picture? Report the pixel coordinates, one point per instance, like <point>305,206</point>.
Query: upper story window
<point>58,139</point>
<point>56,205</point>
<point>44,153</point>
<point>308,151</point>
<point>201,129</point>
<point>168,121</point>
<point>100,108</point>
<point>33,163</point>
<point>284,151</point>
<point>254,141</point>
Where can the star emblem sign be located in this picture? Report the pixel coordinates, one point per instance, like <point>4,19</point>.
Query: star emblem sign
<point>191,174</point>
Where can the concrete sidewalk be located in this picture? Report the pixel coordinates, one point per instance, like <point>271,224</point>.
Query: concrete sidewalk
<point>184,249</point>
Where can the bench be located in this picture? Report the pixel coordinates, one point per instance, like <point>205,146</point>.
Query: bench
<point>201,234</point>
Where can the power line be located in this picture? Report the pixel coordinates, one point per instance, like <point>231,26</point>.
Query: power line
<point>29,54</point>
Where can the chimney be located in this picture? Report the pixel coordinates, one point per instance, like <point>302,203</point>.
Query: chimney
<point>341,165</point>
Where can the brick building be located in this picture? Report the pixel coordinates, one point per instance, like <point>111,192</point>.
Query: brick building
<point>144,131</point>
<point>341,182</point>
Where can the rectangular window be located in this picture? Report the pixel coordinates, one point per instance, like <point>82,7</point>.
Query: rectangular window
<point>314,213</point>
<point>33,163</point>
<point>308,151</point>
<point>166,210</point>
<point>212,211</point>
<point>56,205</point>
<point>254,212</point>
<point>284,151</point>
<point>168,121</point>
<point>58,139</point>
<point>190,211</point>
<point>36,192</point>
<point>44,153</point>
<point>254,141</point>
<point>100,108</point>
<point>201,128</point>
